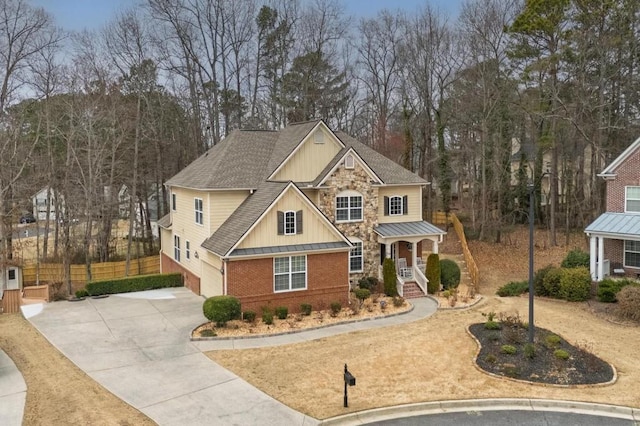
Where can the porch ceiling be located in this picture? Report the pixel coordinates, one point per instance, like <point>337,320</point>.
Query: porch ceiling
<point>408,229</point>
<point>616,225</point>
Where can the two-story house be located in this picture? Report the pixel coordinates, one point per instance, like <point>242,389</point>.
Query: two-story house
<point>280,218</point>
<point>615,235</point>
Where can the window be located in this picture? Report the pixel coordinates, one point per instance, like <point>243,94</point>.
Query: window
<point>349,208</point>
<point>290,222</point>
<point>355,257</point>
<point>290,273</point>
<point>187,250</point>
<point>11,274</point>
<point>176,248</point>
<point>632,199</point>
<point>632,253</point>
<point>396,205</point>
<point>173,202</point>
<point>198,210</point>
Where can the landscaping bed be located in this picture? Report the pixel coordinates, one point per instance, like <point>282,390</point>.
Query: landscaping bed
<point>551,359</point>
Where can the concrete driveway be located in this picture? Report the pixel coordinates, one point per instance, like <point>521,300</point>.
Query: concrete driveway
<point>137,346</point>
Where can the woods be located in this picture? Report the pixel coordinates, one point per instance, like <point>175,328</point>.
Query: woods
<point>508,93</point>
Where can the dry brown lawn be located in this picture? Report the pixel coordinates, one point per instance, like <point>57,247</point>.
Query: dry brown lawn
<point>432,359</point>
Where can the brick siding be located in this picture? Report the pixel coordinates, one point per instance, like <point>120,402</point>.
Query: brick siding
<point>191,281</point>
<point>251,281</point>
<point>628,174</point>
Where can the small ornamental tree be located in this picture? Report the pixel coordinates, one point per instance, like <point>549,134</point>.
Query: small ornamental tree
<point>449,274</point>
<point>389,276</point>
<point>432,272</point>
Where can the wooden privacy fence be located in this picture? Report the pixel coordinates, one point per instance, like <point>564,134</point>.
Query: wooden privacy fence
<point>54,272</point>
<point>443,218</point>
<point>11,301</point>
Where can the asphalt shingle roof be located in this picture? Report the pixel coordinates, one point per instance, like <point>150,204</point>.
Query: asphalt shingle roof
<point>407,229</point>
<point>621,224</point>
<point>165,221</point>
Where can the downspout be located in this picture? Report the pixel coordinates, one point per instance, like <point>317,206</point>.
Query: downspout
<point>224,276</point>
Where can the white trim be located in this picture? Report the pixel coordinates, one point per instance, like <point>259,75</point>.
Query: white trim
<point>304,139</point>
<point>359,160</point>
<point>306,200</point>
<point>609,170</point>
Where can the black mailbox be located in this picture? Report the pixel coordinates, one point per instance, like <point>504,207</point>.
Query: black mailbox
<point>349,380</point>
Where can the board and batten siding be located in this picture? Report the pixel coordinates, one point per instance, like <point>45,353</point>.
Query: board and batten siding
<point>414,203</point>
<point>314,229</point>
<point>310,159</point>
<point>211,279</point>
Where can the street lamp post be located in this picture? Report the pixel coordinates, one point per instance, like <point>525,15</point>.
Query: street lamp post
<point>531,289</point>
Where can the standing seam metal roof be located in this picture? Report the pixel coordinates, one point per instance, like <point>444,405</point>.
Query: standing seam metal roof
<point>623,224</point>
<point>407,229</point>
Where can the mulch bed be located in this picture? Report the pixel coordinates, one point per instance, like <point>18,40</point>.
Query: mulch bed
<point>581,368</point>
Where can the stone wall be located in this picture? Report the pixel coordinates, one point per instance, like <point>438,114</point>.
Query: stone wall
<point>358,180</point>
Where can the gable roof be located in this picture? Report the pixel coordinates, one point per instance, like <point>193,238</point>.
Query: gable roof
<point>610,169</point>
<point>289,139</point>
<point>337,160</point>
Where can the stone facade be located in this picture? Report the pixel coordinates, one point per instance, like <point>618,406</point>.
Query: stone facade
<point>356,179</point>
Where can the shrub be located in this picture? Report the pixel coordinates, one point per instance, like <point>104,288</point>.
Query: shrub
<point>552,341</point>
<point>362,293</point>
<point>267,316</point>
<point>492,325</point>
<point>249,316</point>
<point>551,282</point>
<point>575,259</point>
<point>220,309</point>
<point>368,283</point>
<point>282,312</point>
<point>390,277</point>
<point>609,288</point>
<point>135,283</point>
<point>336,307</point>
<point>575,284</point>
<point>208,333</point>
<point>398,301</point>
<point>432,272</point>
<point>305,308</point>
<point>490,358</point>
<point>629,303</point>
<point>82,293</point>
<point>561,354</point>
<point>508,349</point>
<point>538,281</point>
<point>513,288</point>
<point>529,350</point>
<point>449,273</point>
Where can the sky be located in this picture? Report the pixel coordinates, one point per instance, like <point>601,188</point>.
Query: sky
<point>76,15</point>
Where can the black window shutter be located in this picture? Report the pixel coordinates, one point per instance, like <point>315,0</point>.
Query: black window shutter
<point>280,223</point>
<point>386,206</point>
<point>405,205</point>
<point>299,222</point>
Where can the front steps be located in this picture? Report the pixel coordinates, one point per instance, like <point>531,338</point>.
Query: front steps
<point>411,290</point>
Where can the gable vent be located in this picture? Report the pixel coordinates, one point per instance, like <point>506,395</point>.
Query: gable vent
<point>318,137</point>
<point>349,162</point>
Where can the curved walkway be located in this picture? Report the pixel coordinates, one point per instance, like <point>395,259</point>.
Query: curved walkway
<point>137,346</point>
<point>13,392</point>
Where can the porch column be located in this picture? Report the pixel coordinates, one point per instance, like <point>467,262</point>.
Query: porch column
<point>435,246</point>
<point>387,250</point>
<point>600,258</point>
<point>592,257</point>
<point>414,255</point>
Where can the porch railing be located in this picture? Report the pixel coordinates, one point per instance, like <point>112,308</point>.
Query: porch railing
<point>400,285</point>
<point>420,279</point>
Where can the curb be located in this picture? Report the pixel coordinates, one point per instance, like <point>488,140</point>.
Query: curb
<point>456,406</point>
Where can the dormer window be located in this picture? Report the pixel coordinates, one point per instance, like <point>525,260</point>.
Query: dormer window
<point>290,222</point>
<point>318,137</point>
<point>349,162</point>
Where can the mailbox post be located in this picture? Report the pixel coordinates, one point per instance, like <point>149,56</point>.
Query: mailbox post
<point>349,380</point>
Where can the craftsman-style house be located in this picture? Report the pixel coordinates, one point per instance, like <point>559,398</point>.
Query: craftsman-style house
<point>615,234</point>
<point>280,218</point>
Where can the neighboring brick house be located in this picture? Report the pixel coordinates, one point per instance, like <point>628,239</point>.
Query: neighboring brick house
<point>280,218</point>
<point>615,235</point>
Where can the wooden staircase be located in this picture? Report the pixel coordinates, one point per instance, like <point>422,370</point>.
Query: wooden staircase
<point>411,290</point>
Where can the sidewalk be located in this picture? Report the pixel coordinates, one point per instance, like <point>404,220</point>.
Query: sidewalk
<point>13,392</point>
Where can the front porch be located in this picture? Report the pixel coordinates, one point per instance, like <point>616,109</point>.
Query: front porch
<point>403,243</point>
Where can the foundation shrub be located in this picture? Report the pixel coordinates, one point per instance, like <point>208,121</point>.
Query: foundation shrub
<point>368,283</point>
<point>389,275</point>
<point>629,303</point>
<point>362,294</point>
<point>249,316</point>
<point>134,283</point>
<point>305,309</point>
<point>575,259</point>
<point>538,281</point>
<point>267,316</point>
<point>398,301</point>
<point>575,284</point>
<point>282,312</point>
<point>551,282</point>
<point>336,307</point>
<point>513,288</point>
<point>432,273</point>
<point>449,274</point>
<point>221,309</point>
<point>608,289</point>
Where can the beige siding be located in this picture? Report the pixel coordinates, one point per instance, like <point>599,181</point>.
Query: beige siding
<point>166,242</point>
<point>314,229</point>
<point>211,281</point>
<point>310,159</point>
<point>222,204</point>
<point>414,201</point>
<point>312,194</point>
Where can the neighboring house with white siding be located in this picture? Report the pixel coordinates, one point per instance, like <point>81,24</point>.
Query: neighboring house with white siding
<point>280,218</point>
<point>615,235</point>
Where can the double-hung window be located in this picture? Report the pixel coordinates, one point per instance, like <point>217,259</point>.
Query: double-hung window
<point>355,257</point>
<point>187,250</point>
<point>349,208</point>
<point>632,199</point>
<point>174,202</point>
<point>632,253</point>
<point>176,248</point>
<point>198,210</point>
<point>289,222</point>
<point>289,273</point>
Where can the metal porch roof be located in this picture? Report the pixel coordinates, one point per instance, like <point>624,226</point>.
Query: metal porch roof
<point>407,229</point>
<point>289,248</point>
<point>620,224</point>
